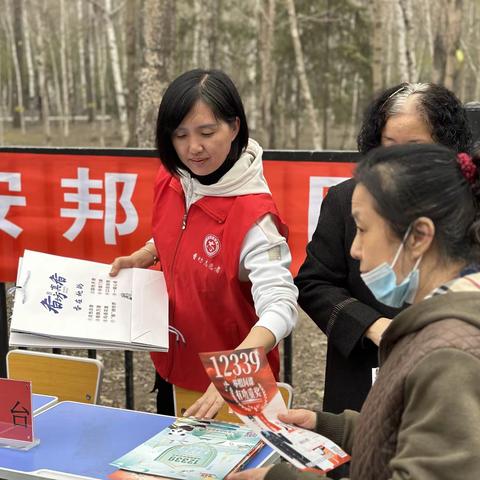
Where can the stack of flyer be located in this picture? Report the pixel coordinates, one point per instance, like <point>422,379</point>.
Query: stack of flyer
<point>71,303</point>
<point>190,449</point>
<point>246,382</point>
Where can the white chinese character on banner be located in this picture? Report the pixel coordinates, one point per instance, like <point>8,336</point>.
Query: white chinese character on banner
<point>318,190</point>
<point>6,201</point>
<point>84,199</point>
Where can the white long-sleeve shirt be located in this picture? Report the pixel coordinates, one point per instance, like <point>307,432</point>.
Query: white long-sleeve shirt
<point>265,259</point>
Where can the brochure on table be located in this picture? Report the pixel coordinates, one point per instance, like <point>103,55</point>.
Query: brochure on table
<point>16,424</point>
<point>246,382</point>
<point>190,449</point>
<point>71,303</point>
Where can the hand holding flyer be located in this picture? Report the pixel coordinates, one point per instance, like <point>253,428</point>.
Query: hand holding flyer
<point>246,383</point>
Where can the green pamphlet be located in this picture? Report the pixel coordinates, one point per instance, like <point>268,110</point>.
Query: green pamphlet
<point>191,449</point>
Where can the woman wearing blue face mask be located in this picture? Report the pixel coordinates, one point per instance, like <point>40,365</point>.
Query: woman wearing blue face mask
<point>416,209</point>
<point>382,281</point>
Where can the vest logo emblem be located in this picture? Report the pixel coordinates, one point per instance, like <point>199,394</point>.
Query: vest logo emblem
<point>211,245</point>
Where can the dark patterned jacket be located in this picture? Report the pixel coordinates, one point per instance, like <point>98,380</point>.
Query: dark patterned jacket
<point>421,419</point>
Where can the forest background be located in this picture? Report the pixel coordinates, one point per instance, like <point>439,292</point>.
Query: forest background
<point>92,73</point>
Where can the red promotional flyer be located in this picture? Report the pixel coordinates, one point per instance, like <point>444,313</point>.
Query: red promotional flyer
<point>246,383</point>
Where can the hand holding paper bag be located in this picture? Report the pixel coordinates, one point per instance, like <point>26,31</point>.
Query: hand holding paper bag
<point>67,301</point>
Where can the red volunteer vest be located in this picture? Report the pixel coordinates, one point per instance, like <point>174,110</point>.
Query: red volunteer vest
<point>199,255</point>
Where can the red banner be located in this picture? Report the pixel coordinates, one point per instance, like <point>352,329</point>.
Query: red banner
<point>98,207</point>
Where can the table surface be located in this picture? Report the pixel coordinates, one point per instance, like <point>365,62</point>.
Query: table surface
<point>42,402</point>
<point>82,439</point>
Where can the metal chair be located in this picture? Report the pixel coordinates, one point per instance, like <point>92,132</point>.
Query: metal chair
<point>63,376</point>
<point>183,398</point>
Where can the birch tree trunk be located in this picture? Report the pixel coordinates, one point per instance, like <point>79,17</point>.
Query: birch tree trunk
<point>406,16</point>
<point>476,38</point>
<point>302,75</point>
<point>203,12</point>
<point>387,79</point>
<point>14,34</point>
<point>81,56</point>
<point>197,12</point>
<point>428,26</point>
<point>326,80</point>
<point>2,129</point>
<point>351,131</point>
<point>158,41</point>
<point>266,41</point>
<point>402,44</point>
<point>63,70</point>
<point>447,41</point>
<point>280,117</point>
<point>469,33</point>
<point>40,62</point>
<point>101,54</point>
<point>71,79</point>
<point>90,63</point>
<point>28,57</point>
<point>214,21</point>
<point>56,77</point>
<point>254,51</point>
<point>2,112</point>
<point>226,53</point>
<point>298,94</point>
<point>132,64</point>
<point>453,33</point>
<point>377,14</point>
<point>116,71</point>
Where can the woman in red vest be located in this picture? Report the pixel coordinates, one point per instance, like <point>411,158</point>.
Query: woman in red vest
<point>217,236</point>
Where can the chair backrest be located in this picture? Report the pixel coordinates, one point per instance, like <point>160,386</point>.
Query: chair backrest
<point>183,398</point>
<point>63,376</point>
<point>286,391</point>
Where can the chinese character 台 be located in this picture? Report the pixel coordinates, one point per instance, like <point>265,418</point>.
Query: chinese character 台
<point>20,415</point>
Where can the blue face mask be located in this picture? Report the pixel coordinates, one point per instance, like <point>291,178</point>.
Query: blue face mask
<point>382,282</point>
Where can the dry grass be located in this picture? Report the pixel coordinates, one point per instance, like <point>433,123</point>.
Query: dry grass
<point>82,134</point>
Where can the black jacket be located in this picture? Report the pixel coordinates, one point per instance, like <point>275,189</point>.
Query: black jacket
<point>335,297</point>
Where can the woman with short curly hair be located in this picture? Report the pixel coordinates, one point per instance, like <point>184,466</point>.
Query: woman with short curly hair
<point>438,107</point>
<point>331,290</point>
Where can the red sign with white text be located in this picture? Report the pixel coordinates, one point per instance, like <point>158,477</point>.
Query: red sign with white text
<point>15,410</point>
<point>98,207</point>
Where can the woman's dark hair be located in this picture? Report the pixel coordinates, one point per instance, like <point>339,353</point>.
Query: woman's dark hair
<point>214,88</point>
<point>412,181</point>
<point>439,107</point>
